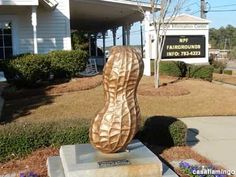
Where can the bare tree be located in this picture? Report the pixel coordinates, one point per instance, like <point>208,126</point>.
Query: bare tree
<point>160,20</point>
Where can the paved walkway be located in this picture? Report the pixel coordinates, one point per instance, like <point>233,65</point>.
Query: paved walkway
<point>232,86</point>
<point>214,138</point>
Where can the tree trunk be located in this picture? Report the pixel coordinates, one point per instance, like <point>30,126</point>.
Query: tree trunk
<point>157,65</point>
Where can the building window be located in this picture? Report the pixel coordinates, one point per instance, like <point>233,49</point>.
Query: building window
<point>5,40</point>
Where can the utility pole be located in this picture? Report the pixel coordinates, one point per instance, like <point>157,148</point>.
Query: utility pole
<point>203,9</point>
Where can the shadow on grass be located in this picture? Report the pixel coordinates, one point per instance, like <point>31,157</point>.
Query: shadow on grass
<point>155,131</point>
<point>14,109</point>
<point>172,82</point>
<point>11,92</point>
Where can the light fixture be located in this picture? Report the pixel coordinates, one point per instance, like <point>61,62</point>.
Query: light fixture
<point>51,3</point>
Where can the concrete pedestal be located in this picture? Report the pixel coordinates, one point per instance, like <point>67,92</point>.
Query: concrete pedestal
<point>83,160</point>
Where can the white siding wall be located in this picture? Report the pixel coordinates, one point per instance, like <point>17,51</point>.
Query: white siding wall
<point>53,29</point>
<point>25,32</point>
<point>19,2</point>
<point>20,17</point>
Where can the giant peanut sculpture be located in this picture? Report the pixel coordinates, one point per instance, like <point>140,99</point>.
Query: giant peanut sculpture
<point>117,123</point>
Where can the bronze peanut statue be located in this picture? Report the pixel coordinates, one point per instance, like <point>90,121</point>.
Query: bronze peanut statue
<point>117,123</point>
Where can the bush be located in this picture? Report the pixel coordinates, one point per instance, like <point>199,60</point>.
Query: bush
<point>178,132</point>
<point>233,53</point>
<point>66,64</point>
<point>79,41</point>
<point>27,70</point>
<point>163,131</point>
<point>172,68</point>
<point>217,71</point>
<point>219,65</point>
<point>30,70</point>
<point>17,140</point>
<point>228,72</point>
<point>204,72</point>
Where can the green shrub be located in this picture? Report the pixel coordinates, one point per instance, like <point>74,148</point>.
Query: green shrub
<point>204,72</point>
<point>8,69</point>
<point>17,140</point>
<point>233,53</point>
<point>30,70</point>
<point>217,71</point>
<point>173,68</point>
<point>219,65</point>
<point>152,67</point>
<point>178,132</point>
<point>228,72</point>
<point>163,131</point>
<point>79,41</point>
<point>27,70</point>
<point>67,63</point>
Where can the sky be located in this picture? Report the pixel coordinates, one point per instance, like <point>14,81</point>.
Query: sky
<point>221,13</point>
<point>217,19</point>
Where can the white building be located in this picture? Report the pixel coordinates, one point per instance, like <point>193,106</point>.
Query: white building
<point>32,26</point>
<point>186,40</point>
<point>40,26</point>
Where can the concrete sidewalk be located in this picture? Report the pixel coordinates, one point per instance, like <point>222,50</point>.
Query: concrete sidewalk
<point>214,138</point>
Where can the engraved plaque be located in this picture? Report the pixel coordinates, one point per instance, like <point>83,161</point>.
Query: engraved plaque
<point>113,163</point>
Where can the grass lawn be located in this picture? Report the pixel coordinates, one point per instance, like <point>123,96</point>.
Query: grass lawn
<point>182,98</point>
<point>230,79</point>
<point>204,99</point>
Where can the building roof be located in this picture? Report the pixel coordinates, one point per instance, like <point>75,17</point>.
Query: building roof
<point>186,18</point>
<point>101,15</point>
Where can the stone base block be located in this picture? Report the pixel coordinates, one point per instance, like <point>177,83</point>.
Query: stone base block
<point>83,160</point>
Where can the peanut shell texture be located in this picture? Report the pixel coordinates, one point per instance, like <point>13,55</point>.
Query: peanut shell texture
<point>116,124</point>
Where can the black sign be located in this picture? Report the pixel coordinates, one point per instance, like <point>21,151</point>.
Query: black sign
<point>184,47</point>
<point>113,163</point>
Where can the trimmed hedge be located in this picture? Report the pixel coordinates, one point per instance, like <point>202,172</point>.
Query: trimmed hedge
<point>173,68</point>
<point>217,71</point>
<point>220,65</point>
<point>29,70</point>
<point>163,131</point>
<point>204,72</point>
<point>17,140</point>
<point>228,72</point>
<point>181,69</point>
<point>66,64</point>
<point>178,132</point>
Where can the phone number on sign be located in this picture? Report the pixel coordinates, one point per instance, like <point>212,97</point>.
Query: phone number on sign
<point>183,54</point>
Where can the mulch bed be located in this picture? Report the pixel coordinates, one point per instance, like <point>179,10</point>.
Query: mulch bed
<point>181,153</point>
<point>77,84</point>
<point>164,90</point>
<point>36,162</point>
